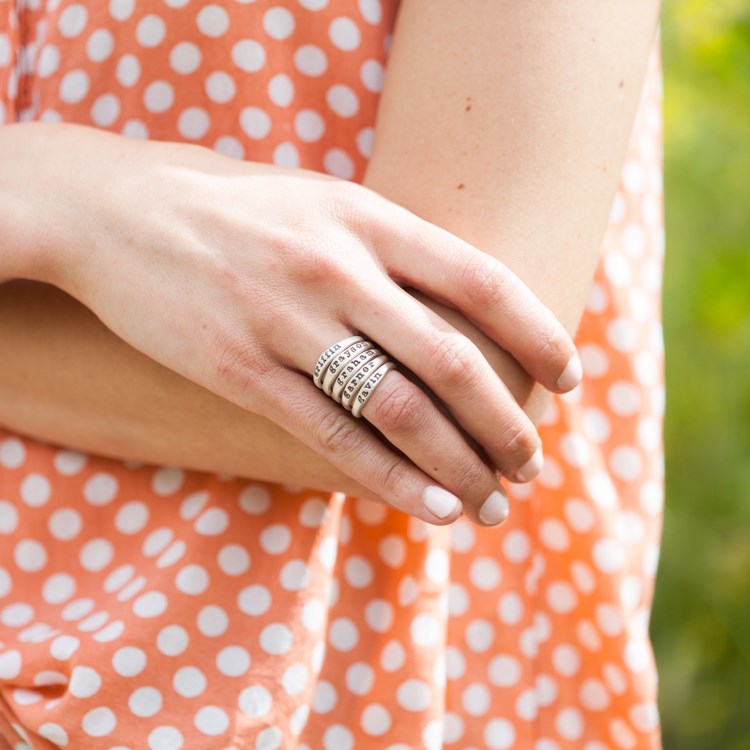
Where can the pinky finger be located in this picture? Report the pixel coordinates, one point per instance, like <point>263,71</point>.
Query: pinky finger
<point>353,447</point>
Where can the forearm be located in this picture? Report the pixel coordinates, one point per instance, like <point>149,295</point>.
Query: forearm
<point>507,124</point>
<point>67,379</point>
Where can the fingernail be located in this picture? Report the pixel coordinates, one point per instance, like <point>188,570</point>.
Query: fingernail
<point>532,467</point>
<point>571,375</point>
<point>495,509</point>
<point>440,502</point>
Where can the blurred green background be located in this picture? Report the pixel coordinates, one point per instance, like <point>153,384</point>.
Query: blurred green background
<point>701,617</point>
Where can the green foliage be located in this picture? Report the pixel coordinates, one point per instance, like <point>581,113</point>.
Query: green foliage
<point>701,620</point>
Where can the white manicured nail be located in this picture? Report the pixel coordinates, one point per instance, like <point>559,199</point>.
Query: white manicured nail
<point>571,375</point>
<point>439,501</point>
<point>495,509</point>
<point>532,467</point>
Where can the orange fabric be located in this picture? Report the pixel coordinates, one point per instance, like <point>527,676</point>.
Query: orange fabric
<point>149,607</point>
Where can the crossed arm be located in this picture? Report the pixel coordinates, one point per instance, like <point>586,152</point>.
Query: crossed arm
<point>504,123</point>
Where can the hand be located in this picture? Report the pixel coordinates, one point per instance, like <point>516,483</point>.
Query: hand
<point>238,275</point>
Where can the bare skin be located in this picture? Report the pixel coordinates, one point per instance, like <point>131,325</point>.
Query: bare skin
<point>542,129</point>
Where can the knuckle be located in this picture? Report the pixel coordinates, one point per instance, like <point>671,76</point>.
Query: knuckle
<point>240,363</point>
<point>483,282</point>
<point>453,361</point>
<point>394,476</point>
<point>470,475</point>
<point>337,433</point>
<point>518,443</point>
<point>401,410</point>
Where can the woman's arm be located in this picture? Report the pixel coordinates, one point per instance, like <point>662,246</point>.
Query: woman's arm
<point>536,150</point>
<point>507,123</point>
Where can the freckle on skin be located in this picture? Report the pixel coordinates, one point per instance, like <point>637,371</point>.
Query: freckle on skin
<point>460,186</point>
<point>622,83</point>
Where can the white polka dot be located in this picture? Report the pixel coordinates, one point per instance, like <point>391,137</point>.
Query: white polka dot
<point>278,23</point>
<point>458,599</point>
<point>588,635</point>
<point>10,664</point>
<point>99,722</point>
<point>622,334</point>
<point>213,21</point>
<point>167,480</point>
<point>254,600</point>
<point>608,556</point>
<point>193,123</point>
<point>145,702</point>
<point>270,737</point>
<point>105,110</point>
<point>220,87</point>
<point>185,58</point>
<point>644,717</point>
<point>49,61</point>
<point>298,721</point>
<point>554,534</point>
<point>313,4</point>
<point>516,546</point>
<point>342,100</point>
<point>212,621</point>
<point>475,699</point>
<point>121,10</point>
<point>527,707</point>
<point>372,75</point>
<point>100,45</point>
<point>248,55</point>
<point>275,539</point>
<point>54,733</point>
<point>286,155</point>
<point>64,646</point>
<point>233,560</point>
<point>294,679</point>
<point>35,490</point>
<point>358,572</point>
<point>566,660</point>
<point>189,682</point>
<point>151,604</point>
<point>425,630</point>
<point>172,640</point>
<point>73,88</point>
<point>561,597</point>
<point>510,608</point>
<point>310,60</point>
<point>602,490</point>
<point>504,671</point>
<point>343,634</point>
<point>479,635</point>
<point>165,738</point>
<point>344,34</point>
<point>6,584</point>
<point>626,462</point>
<point>101,488</point>
<point>16,615</point>
<point>192,580</point>
<point>569,723</point>
<point>375,720</point>
<point>499,734</point>
<point>360,678</point>
<point>485,573</point>
<point>96,555</point>
<point>58,588</point>
<point>255,701</point>
<point>135,129</point>
<point>73,20</point>
<point>309,125</point>
<point>281,92</point>
<point>30,555</point>
<point>338,737</point>
<point>84,682</point>
<point>211,720</point>
<point>414,695</point>
<point>393,656</point>
<point>229,146</point>
<point>379,615</point>
<point>324,697</point>
<point>233,661</point>
<point>150,31</point>
<point>129,661</point>
<point>276,639</point>
<point>8,517</point>
<point>637,655</point>
<point>594,696</point>
<point>12,453</point>
<point>371,10</point>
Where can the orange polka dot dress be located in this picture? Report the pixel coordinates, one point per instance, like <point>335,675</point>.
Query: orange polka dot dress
<point>150,608</point>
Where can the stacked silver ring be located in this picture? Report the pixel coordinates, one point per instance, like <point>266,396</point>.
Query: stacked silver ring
<point>350,370</point>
